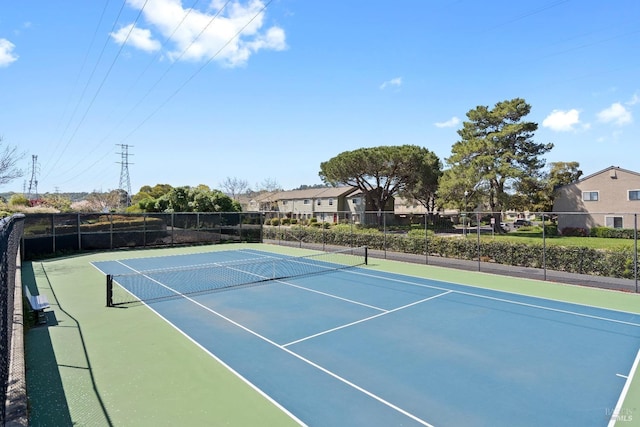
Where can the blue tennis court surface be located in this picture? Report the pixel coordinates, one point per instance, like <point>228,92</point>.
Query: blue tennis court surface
<point>357,347</point>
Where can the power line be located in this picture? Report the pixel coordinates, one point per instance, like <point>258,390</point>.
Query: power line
<point>194,74</point>
<point>164,43</point>
<point>139,77</point>
<point>77,79</point>
<point>84,91</point>
<point>179,88</point>
<point>95,96</point>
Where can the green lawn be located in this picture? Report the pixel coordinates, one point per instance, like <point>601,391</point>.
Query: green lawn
<point>535,237</point>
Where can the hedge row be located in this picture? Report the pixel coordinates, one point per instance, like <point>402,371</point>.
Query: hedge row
<point>612,233</point>
<point>596,262</point>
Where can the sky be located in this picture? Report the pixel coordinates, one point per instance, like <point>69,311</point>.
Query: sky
<point>200,91</point>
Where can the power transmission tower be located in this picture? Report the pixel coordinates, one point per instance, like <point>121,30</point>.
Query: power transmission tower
<point>125,182</point>
<point>33,183</point>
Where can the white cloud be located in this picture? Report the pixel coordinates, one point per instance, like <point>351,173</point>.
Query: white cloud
<point>138,37</point>
<point>395,82</point>
<point>449,123</point>
<point>634,100</point>
<point>197,36</point>
<point>562,121</point>
<point>616,114</point>
<point>6,53</point>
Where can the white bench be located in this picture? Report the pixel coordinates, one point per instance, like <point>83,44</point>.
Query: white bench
<point>38,304</point>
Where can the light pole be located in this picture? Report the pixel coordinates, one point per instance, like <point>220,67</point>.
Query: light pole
<point>464,225</point>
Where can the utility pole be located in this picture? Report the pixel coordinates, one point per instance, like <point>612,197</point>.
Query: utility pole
<point>33,183</point>
<point>125,182</point>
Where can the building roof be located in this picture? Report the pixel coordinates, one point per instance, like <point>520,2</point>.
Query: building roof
<point>315,193</point>
<point>608,170</point>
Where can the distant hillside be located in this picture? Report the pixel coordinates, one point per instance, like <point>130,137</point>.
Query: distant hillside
<point>74,197</point>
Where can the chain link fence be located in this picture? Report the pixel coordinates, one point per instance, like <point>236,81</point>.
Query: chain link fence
<point>10,232</point>
<point>55,234</point>
<point>601,245</point>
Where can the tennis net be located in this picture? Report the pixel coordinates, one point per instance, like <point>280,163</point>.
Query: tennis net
<point>165,283</point>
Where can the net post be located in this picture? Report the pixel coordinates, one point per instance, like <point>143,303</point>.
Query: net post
<point>366,255</point>
<point>109,290</point>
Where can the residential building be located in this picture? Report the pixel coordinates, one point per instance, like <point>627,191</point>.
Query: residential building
<point>325,204</point>
<point>609,198</point>
<point>263,201</point>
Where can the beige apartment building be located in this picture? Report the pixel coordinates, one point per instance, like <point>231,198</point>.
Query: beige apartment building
<point>608,198</point>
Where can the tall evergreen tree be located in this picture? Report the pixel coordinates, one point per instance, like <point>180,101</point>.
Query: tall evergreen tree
<point>495,154</point>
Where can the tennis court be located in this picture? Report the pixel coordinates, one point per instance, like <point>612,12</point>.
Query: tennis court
<point>362,347</point>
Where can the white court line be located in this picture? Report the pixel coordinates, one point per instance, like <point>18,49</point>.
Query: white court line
<point>366,319</point>
<point>303,359</point>
<point>330,295</point>
<point>315,365</point>
<point>233,371</point>
<point>616,412</point>
<point>508,301</point>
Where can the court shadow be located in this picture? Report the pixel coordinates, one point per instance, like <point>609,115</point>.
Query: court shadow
<point>47,400</point>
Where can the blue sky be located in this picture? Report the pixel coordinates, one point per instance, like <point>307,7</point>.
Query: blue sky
<point>262,91</point>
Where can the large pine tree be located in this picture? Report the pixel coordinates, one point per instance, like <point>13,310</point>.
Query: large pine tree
<point>495,153</point>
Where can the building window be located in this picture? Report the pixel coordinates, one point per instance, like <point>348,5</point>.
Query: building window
<point>330,202</point>
<point>590,196</point>
<point>306,201</point>
<point>613,221</point>
<point>356,201</point>
<point>634,194</point>
<point>319,202</point>
<point>284,202</point>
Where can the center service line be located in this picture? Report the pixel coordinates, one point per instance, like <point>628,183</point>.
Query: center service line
<point>315,365</point>
<point>365,319</point>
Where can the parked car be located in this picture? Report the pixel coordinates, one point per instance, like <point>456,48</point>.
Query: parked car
<point>521,223</point>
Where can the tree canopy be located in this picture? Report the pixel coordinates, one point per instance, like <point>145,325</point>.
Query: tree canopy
<point>559,174</point>
<point>385,171</point>
<point>495,154</point>
<point>187,199</point>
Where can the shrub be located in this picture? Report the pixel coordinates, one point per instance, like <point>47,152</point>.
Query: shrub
<point>611,233</point>
<point>574,232</point>
<point>275,221</point>
<point>551,229</point>
<point>583,260</point>
<point>19,200</point>
<point>419,233</point>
